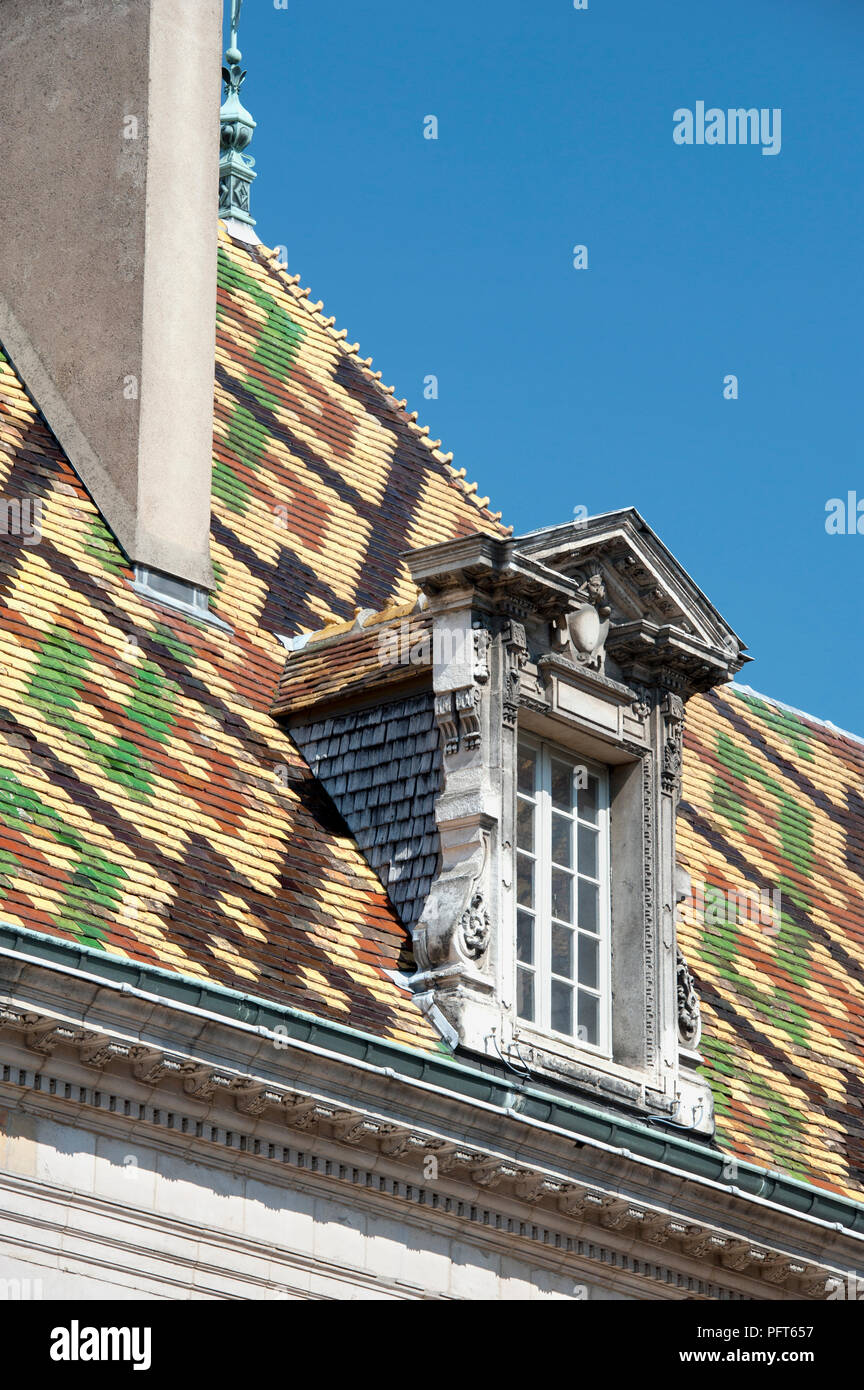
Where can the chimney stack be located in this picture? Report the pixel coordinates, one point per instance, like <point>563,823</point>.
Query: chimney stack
<point>110,152</point>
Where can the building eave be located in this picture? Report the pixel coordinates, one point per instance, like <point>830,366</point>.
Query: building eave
<point>575,1161</point>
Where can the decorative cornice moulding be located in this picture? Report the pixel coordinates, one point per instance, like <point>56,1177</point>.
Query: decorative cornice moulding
<point>178,1086</point>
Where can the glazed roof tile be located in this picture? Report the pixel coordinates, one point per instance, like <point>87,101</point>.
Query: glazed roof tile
<point>773,803</point>
<point>151,806</point>
<point>387,649</point>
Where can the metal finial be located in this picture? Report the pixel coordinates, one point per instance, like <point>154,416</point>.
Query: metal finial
<point>233,54</point>
<point>236,130</point>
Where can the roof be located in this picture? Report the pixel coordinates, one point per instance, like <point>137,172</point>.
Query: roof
<point>774,802</point>
<point>151,807</point>
<point>354,662</point>
<point>321,478</point>
<point>149,804</point>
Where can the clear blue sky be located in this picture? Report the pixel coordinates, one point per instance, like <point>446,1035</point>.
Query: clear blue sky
<point>602,387</point>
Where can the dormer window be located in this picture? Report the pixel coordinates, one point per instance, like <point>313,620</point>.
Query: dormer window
<point>515,784</point>
<point>562,895</point>
<point>562,663</point>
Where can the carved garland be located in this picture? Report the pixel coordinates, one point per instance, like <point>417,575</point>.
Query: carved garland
<point>475,926</point>
<point>689,1011</point>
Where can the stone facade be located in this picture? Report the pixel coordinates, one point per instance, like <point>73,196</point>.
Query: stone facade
<point>168,1148</point>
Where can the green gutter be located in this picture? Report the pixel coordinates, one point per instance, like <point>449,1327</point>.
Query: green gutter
<point>584,1122</point>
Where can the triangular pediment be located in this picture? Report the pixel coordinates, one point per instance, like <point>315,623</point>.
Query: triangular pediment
<point>656,611</point>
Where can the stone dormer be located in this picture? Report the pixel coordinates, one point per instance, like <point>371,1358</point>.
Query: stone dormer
<point>508,757</point>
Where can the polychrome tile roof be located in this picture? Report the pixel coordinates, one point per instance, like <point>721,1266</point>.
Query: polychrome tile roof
<point>321,479</point>
<point>774,802</point>
<point>354,663</point>
<point>151,807</point>
<point>149,804</point>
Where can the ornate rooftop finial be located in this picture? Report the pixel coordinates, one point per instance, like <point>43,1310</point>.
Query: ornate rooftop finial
<point>236,130</point>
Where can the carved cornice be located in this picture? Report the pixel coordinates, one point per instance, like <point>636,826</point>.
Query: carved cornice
<point>330,1120</point>
<point>491,572</point>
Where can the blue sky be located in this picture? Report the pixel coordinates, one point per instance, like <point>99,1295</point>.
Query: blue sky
<point>602,387</point>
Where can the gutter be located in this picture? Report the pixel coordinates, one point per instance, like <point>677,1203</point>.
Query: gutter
<point>443,1074</point>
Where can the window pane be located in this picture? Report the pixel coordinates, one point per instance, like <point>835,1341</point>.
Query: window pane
<point>524,881</point>
<point>589,799</point>
<point>525,994</point>
<point>562,840</point>
<point>562,907</point>
<point>562,1007</point>
<point>589,1015</point>
<point>562,786</point>
<point>525,938</point>
<point>587,906</point>
<point>562,952</point>
<point>587,851</point>
<point>525,824</point>
<point>562,895</point>
<point>527,765</point>
<point>588,962</point>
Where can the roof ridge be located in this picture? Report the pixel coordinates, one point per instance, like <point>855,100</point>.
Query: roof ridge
<point>802,714</point>
<point>364,621</point>
<point>270,258</point>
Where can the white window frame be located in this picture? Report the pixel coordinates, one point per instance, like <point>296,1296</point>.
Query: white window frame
<point>543,976</point>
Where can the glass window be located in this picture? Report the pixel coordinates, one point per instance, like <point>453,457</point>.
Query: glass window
<point>562,890</point>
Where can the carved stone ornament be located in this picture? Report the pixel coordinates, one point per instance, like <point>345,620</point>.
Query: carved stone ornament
<point>689,1012</point>
<point>474,926</point>
<point>468,714</point>
<point>588,625</point>
<point>673,723</point>
<point>515,653</point>
<point>644,702</point>
<point>445,718</point>
<point>457,714</point>
<point>481,654</point>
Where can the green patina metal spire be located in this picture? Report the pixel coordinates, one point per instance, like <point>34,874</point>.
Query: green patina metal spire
<point>236,130</point>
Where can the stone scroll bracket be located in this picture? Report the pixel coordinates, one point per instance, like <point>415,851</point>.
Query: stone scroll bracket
<point>476,665</point>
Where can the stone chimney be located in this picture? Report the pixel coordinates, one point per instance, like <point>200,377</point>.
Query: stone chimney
<point>108,229</point>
